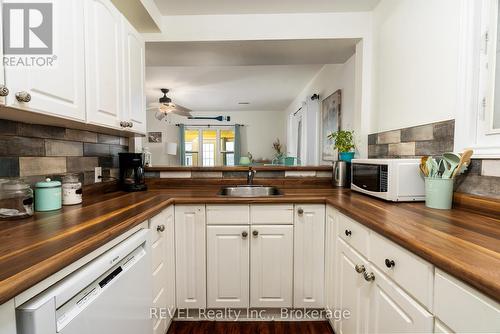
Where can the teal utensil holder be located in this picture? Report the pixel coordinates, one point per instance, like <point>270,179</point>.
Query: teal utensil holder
<point>346,156</point>
<point>438,193</point>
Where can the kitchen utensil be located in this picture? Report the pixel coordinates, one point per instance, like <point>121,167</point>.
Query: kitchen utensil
<point>48,195</point>
<point>16,200</point>
<point>423,166</point>
<point>451,163</point>
<point>71,189</point>
<point>341,174</point>
<point>464,162</point>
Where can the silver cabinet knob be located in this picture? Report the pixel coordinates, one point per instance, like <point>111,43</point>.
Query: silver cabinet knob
<point>244,234</point>
<point>4,91</point>
<point>130,124</point>
<point>360,268</point>
<point>300,211</point>
<point>255,233</point>
<point>369,277</point>
<point>160,228</point>
<point>23,97</point>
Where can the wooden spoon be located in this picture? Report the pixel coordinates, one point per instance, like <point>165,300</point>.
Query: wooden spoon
<point>464,161</point>
<point>423,166</point>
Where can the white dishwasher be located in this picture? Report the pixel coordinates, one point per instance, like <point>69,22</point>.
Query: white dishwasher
<point>109,295</point>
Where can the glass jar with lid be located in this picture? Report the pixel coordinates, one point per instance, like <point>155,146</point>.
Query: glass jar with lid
<point>71,189</point>
<point>16,199</point>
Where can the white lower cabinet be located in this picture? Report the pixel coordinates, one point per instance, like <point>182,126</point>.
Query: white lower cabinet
<point>228,263</point>
<point>190,248</point>
<point>330,259</point>
<point>392,310</point>
<point>163,269</point>
<point>353,292</point>
<point>8,317</point>
<point>309,256</point>
<point>271,266</point>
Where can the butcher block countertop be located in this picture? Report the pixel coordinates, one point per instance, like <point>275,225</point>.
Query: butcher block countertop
<point>461,242</point>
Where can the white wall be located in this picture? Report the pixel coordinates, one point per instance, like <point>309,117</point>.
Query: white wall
<point>328,80</point>
<point>415,68</point>
<point>257,136</point>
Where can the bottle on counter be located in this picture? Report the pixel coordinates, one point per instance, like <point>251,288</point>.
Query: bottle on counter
<point>16,199</point>
<point>71,190</point>
<point>147,157</point>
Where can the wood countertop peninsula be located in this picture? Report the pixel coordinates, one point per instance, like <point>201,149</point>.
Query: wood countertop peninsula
<point>462,242</point>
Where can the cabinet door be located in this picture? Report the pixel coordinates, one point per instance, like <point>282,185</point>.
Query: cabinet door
<point>169,235</point>
<point>228,260</point>
<point>190,262</point>
<point>134,72</point>
<point>2,73</point>
<point>57,90</point>
<point>352,290</point>
<point>394,311</point>
<point>330,258</point>
<point>104,63</point>
<point>271,263</point>
<point>309,256</point>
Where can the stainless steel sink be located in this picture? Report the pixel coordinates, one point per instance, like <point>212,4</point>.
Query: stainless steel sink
<point>250,191</point>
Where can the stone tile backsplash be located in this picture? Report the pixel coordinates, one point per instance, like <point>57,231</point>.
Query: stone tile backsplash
<point>33,152</point>
<point>482,177</point>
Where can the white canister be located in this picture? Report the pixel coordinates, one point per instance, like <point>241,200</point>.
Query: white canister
<point>71,190</point>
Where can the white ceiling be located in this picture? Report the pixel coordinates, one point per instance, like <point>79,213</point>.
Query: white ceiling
<point>240,53</point>
<point>220,88</point>
<point>206,7</point>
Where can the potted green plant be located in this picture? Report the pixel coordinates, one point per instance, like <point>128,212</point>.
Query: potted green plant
<point>343,141</point>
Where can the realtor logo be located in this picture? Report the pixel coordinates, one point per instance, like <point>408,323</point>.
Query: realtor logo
<point>28,28</point>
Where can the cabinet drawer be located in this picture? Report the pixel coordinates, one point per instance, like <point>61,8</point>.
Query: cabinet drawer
<point>159,279</point>
<point>354,234</point>
<point>157,253</point>
<point>412,273</point>
<point>271,214</point>
<point>462,308</point>
<point>228,214</point>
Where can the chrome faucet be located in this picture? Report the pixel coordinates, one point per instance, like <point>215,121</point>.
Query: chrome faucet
<point>250,176</point>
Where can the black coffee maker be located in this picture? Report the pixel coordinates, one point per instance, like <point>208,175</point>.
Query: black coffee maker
<point>132,172</point>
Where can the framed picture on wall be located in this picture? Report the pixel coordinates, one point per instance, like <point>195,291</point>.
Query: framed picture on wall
<point>330,122</point>
<point>154,137</point>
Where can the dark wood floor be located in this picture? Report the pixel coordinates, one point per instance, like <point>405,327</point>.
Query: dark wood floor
<point>254,327</point>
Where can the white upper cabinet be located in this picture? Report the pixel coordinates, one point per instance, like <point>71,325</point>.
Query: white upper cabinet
<point>190,250</point>
<point>134,76</point>
<point>309,256</point>
<point>104,63</point>
<point>228,263</point>
<point>271,266</point>
<point>393,311</point>
<point>57,90</point>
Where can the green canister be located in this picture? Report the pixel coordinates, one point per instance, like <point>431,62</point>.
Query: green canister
<point>48,195</point>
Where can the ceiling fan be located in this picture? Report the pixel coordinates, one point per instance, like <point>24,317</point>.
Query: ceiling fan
<point>164,106</point>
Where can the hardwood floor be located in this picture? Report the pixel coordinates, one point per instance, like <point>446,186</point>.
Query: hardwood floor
<point>254,327</point>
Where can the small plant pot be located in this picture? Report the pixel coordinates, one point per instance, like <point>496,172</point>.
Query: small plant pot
<point>438,193</point>
<point>346,156</point>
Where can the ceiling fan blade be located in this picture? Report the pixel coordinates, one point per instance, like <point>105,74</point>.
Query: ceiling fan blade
<point>154,105</point>
<point>180,112</point>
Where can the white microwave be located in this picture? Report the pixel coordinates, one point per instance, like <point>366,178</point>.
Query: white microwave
<point>397,180</point>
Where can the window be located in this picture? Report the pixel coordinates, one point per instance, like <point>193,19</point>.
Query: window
<point>478,107</point>
<point>218,146</point>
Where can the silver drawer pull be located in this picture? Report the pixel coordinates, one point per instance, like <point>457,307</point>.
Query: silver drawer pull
<point>360,268</point>
<point>23,97</point>
<point>160,228</point>
<point>4,91</point>
<point>369,277</point>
